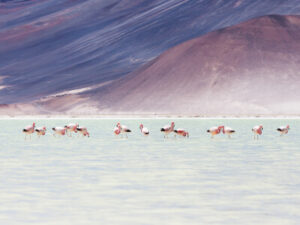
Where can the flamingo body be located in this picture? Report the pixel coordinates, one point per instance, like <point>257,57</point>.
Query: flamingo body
<point>59,131</point>
<point>257,130</point>
<point>228,131</point>
<point>181,132</point>
<point>168,129</point>
<point>83,131</point>
<point>144,130</point>
<point>283,130</point>
<point>28,130</point>
<point>123,129</point>
<point>40,131</point>
<point>71,128</point>
<point>215,130</point>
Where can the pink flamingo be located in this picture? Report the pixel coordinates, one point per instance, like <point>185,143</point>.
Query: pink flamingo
<point>28,130</point>
<point>228,131</point>
<point>124,129</point>
<point>59,131</point>
<point>71,128</point>
<point>257,130</point>
<point>168,129</point>
<point>283,130</point>
<point>144,130</point>
<point>40,131</point>
<point>117,129</point>
<point>83,131</point>
<point>181,132</point>
<point>215,130</point>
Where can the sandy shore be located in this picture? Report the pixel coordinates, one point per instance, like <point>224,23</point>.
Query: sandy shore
<point>147,116</point>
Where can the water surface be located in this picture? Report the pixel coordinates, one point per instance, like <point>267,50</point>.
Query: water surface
<point>152,180</point>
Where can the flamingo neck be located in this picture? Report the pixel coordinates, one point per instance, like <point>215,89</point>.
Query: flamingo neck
<point>172,126</point>
<point>220,129</point>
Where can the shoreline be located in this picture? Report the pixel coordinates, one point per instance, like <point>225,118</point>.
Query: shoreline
<point>144,116</point>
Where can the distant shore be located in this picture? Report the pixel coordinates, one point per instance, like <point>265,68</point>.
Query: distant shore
<point>148,116</point>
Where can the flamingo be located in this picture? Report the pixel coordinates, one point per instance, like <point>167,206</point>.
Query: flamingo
<point>117,129</point>
<point>28,130</point>
<point>215,130</point>
<point>257,130</point>
<point>168,129</point>
<point>181,132</point>
<point>228,131</point>
<point>59,131</point>
<point>71,128</point>
<point>83,131</point>
<point>124,129</point>
<point>283,130</point>
<point>40,131</point>
<point>144,130</point>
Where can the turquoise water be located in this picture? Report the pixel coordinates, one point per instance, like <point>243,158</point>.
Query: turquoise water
<point>150,180</point>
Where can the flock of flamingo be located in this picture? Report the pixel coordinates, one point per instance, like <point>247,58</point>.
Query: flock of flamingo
<point>57,131</point>
<point>123,130</point>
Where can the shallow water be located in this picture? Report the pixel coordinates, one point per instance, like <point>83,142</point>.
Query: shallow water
<point>150,180</point>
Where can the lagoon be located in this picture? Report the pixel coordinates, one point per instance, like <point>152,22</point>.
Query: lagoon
<point>150,180</point>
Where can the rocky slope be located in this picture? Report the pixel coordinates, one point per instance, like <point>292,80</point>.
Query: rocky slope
<point>248,69</point>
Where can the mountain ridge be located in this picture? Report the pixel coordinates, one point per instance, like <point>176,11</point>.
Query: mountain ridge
<point>48,47</point>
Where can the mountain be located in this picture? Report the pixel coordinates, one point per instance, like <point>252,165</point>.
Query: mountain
<point>49,47</point>
<point>252,68</point>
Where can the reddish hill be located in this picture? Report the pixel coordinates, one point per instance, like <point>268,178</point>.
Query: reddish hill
<point>250,68</point>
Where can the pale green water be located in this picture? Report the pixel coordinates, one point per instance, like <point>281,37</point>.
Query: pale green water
<point>107,180</point>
